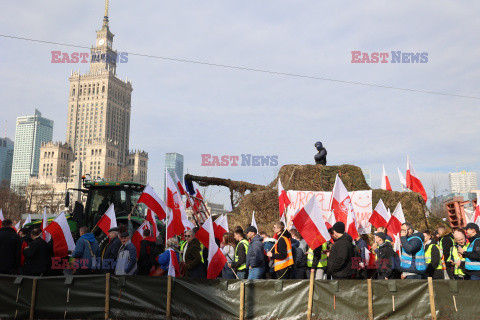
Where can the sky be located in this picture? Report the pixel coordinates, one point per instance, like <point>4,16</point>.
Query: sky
<point>196,109</point>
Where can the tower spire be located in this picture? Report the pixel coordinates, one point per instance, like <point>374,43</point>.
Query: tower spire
<point>105,16</point>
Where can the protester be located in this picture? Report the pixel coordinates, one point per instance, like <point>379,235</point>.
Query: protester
<point>255,260</point>
<point>268,243</point>
<point>240,257</point>
<point>339,264</point>
<point>433,257</point>
<point>9,248</point>
<point>164,258</point>
<point>149,252</point>
<point>458,259</point>
<point>37,256</point>
<point>282,252</point>
<point>110,251</point>
<point>193,257</point>
<point>25,240</point>
<point>412,261</point>
<point>472,254</point>
<point>387,259</point>
<point>445,243</point>
<point>317,262</point>
<point>127,255</point>
<point>384,230</point>
<point>228,249</point>
<point>361,246</point>
<point>86,249</point>
<point>300,248</point>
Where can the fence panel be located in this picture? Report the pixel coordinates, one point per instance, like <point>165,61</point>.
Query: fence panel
<point>457,299</point>
<point>11,305</point>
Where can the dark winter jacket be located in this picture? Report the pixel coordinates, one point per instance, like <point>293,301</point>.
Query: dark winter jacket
<point>299,249</point>
<point>193,260</point>
<point>242,256</point>
<point>9,250</point>
<point>82,249</point>
<point>37,258</point>
<point>436,260</point>
<point>447,243</point>
<point>361,246</point>
<point>126,260</point>
<point>387,262</point>
<point>148,253</point>
<point>255,255</point>
<point>339,263</point>
<point>321,156</point>
<point>412,246</point>
<point>25,242</point>
<point>110,254</point>
<point>474,255</point>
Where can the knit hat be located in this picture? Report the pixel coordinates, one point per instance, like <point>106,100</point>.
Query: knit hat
<point>339,227</point>
<point>381,235</point>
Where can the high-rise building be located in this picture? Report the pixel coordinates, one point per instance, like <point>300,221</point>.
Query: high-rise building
<point>173,164</point>
<point>6,159</point>
<point>462,182</point>
<point>30,133</point>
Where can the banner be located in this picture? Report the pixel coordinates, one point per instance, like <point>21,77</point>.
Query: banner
<point>361,201</point>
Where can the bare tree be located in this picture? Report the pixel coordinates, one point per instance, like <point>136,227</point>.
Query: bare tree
<point>437,209</point>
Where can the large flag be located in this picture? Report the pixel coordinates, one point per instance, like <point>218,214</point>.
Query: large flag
<point>216,259</point>
<point>395,223</point>
<point>254,223</point>
<point>341,204</point>
<point>45,235</point>
<point>221,227</point>
<point>351,225</point>
<point>309,222</point>
<point>151,219</point>
<point>179,185</point>
<point>385,181</point>
<point>108,220</point>
<point>380,215</point>
<point>283,200</point>
<point>28,220</point>
<point>175,224</point>
<point>413,182</point>
<point>173,266</point>
<point>60,232</point>
<point>151,200</point>
<point>1,217</point>
<point>403,182</point>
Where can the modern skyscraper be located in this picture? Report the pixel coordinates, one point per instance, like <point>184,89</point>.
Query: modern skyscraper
<point>173,164</point>
<point>462,182</point>
<point>6,159</point>
<point>30,133</point>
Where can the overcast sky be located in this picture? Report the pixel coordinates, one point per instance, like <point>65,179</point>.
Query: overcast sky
<point>194,109</point>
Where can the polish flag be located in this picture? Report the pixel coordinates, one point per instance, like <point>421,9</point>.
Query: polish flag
<point>45,235</point>
<point>283,200</point>
<point>403,182</point>
<point>179,185</point>
<point>1,217</point>
<point>28,220</point>
<point>198,204</point>
<point>340,203</point>
<point>61,234</point>
<point>413,182</point>
<point>476,217</point>
<point>216,259</point>
<point>397,245</point>
<point>395,223</point>
<point>151,219</point>
<point>254,223</point>
<point>352,226</point>
<point>369,259</point>
<point>138,235</point>
<point>309,222</point>
<point>203,236</point>
<point>151,200</point>
<point>330,220</point>
<point>221,227</point>
<point>17,226</point>
<point>173,266</point>
<point>175,204</point>
<point>108,220</point>
<point>380,215</point>
<point>385,182</point>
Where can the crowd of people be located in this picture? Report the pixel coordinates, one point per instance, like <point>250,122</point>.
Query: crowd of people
<point>251,254</point>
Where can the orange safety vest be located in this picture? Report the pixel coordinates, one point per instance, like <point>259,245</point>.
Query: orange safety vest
<point>288,261</point>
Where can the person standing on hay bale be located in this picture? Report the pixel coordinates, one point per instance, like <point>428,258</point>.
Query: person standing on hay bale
<point>282,255</point>
<point>321,156</point>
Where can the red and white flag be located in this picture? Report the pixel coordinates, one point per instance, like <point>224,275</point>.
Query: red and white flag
<point>476,217</point>
<point>330,220</point>
<point>340,203</point>
<point>17,226</point>
<point>283,200</point>
<point>61,235</point>
<point>180,187</point>
<point>1,217</point>
<point>173,266</point>
<point>151,200</point>
<point>380,215</point>
<point>309,222</point>
<point>385,181</point>
<point>397,245</point>
<point>137,236</point>
<point>108,220</point>
<point>45,235</point>
<point>395,223</point>
<point>403,182</point>
<point>413,181</point>
<point>254,223</point>
<point>175,204</point>
<point>28,220</point>
<point>151,219</point>
<point>221,227</point>
<point>369,259</point>
<point>216,259</point>
<point>352,226</point>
